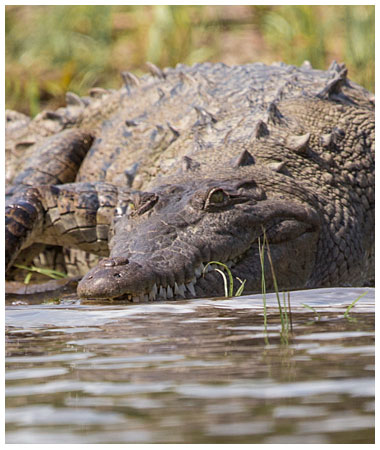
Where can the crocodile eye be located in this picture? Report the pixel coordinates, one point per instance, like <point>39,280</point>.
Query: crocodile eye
<point>216,197</point>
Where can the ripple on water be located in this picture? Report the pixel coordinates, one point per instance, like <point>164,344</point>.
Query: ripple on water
<point>340,350</point>
<point>62,357</point>
<point>195,371</point>
<point>41,436</point>
<point>333,335</point>
<point>299,411</point>
<point>30,372</point>
<point>268,389</point>
<point>49,415</point>
<point>240,428</point>
<point>343,422</point>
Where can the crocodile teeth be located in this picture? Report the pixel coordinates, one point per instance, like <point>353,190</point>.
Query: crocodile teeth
<point>162,292</point>
<point>153,292</point>
<point>198,272</point>
<point>190,288</point>
<point>169,292</point>
<point>178,290</point>
<point>181,290</point>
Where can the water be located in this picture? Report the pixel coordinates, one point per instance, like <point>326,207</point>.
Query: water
<point>194,371</point>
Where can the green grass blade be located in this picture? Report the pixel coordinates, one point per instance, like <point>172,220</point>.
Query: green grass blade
<point>274,282</point>
<point>57,275</point>
<point>353,304</point>
<point>290,313</point>
<point>285,309</point>
<point>240,288</point>
<point>228,291</point>
<point>263,290</point>
<point>28,277</point>
<point>225,282</point>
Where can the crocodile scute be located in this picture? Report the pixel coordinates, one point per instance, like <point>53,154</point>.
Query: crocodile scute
<point>189,165</point>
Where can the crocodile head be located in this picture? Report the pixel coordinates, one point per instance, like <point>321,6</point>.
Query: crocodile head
<point>161,246</point>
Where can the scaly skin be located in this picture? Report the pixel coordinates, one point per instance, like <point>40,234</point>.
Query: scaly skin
<point>192,165</point>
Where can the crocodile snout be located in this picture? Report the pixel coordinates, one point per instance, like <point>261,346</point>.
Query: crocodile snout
<point>114,277</point>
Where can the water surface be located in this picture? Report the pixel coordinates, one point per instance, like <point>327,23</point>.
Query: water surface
<point>192,371</point>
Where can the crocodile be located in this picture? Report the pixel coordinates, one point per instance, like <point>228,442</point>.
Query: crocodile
<point>188,165</point>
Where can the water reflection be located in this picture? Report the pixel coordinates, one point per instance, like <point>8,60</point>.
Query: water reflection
<point>196,371</point>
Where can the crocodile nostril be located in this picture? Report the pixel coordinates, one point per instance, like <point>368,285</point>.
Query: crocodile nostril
<point>121,260</point>
<point>89,277</point>
<point>116,261</point>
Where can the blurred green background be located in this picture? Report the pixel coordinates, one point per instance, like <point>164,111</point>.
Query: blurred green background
<point>54,49</point>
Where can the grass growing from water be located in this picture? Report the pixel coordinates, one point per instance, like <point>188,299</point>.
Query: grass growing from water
<point>263,291</point>
<point>285,309</point>
<point>346,314</point>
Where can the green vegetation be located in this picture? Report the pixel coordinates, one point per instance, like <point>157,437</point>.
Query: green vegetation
<point>284,309</point>
<point>346,314</point>
<point>263,290</point>
<point>228,288</point>
<point>54,49</point>
<point>55,274</point>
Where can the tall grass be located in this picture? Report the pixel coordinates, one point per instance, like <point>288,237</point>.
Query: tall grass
<point>284,309</point>
<point>321,34</point>
<point>52,49</point>
<point>263,290</point>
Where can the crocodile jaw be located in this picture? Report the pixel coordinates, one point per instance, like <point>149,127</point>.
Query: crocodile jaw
<point>136,282</point>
